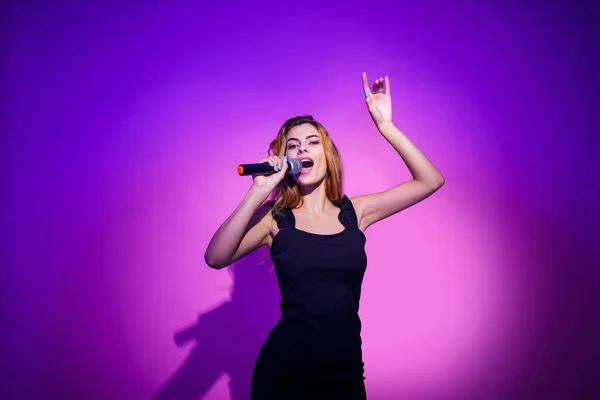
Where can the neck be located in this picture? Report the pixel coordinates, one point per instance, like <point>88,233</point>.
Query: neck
<point>314,199</point>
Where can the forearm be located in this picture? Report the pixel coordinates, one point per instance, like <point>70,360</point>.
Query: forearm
<point>228,237</point>
<point>420,167</point>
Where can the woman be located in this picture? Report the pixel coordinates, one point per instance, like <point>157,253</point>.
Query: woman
<point>316,240</point>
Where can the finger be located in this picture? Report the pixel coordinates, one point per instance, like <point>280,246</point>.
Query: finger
<point>381,85</point>
<point>375,86</point>
<point>278,163</point>
<point>365,84</point>
<point>284,164</point>
<point>388,90</point>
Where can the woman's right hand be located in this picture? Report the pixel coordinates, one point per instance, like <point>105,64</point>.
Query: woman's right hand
<point>266,184</point>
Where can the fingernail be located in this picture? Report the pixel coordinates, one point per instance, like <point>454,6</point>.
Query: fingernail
<point>285,158</point>
<point>280,167</point>
<point>366,94</point>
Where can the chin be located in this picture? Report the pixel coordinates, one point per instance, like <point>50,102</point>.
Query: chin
<point>309,180</point>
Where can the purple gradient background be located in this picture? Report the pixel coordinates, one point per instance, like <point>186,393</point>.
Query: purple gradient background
<point>122,126</point>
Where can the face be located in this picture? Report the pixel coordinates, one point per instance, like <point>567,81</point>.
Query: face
<point>304,143</point>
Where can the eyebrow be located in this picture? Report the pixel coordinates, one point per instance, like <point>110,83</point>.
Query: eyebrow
<point>308,137</point>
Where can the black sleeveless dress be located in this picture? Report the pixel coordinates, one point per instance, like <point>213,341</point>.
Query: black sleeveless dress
<point>314,351</point>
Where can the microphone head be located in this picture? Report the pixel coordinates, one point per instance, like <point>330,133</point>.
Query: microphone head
<point>295,166</point>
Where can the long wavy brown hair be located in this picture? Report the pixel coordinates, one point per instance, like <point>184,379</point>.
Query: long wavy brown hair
<point>287,193</point>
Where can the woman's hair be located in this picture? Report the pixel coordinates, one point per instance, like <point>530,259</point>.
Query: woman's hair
<point>287,193</point>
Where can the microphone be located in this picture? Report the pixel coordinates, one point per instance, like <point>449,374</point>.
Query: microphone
<point>294,168</point>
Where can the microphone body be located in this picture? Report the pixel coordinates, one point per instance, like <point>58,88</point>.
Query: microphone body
<point>294,168</point>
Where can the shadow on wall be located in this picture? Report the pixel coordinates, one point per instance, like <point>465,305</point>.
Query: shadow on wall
<point>228,337</point>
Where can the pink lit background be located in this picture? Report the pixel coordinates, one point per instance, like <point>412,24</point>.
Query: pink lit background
<point>122,128</point>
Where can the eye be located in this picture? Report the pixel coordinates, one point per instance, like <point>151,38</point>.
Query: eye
<point>314,142</point>
<point>292,146</point>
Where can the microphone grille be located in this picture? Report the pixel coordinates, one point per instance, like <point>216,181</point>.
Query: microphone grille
<point>295,166</point>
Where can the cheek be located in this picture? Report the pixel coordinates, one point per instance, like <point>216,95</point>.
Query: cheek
<point>323,161</point>
<point>323,167</point>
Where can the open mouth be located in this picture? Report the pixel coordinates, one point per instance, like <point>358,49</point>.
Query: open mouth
<point>307,163</point>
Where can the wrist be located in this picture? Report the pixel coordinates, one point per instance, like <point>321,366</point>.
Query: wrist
<point>385,126</point>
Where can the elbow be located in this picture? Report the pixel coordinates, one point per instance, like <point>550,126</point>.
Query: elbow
<point>438,182</point>
<point>433,184</point>
<point>213,262</point>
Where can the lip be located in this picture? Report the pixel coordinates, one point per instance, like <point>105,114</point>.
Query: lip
<point>305,170</point>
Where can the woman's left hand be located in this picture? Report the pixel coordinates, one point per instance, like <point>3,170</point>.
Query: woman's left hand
<point>378,102</point>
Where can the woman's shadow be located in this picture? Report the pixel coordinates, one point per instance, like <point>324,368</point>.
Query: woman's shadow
<point>229,337</point>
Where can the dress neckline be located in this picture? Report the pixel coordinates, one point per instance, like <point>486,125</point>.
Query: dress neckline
<point>341,210</point>
<point>287,222</point>
<point>320,234</point>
